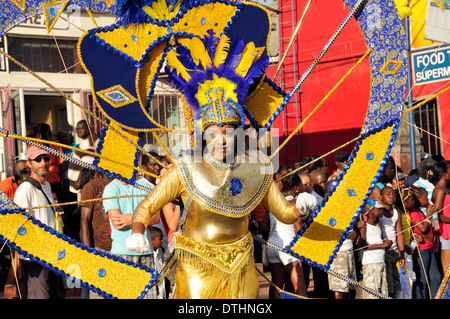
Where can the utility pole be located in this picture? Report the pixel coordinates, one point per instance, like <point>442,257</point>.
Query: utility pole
<point>412,133</point>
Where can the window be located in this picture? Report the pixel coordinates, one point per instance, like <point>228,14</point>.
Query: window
<point>427,119</point>
<point>167,110</point>
<point>42,55</point>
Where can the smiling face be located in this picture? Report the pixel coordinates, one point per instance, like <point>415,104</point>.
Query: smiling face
<point>220,141</point>
<point>82,130</point>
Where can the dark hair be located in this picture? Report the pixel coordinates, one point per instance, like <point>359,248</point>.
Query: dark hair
<point>146,158</point>
<point>296,166</point>
<point>155,231</point>
<point>313,166</point>
<point>439,169</point>
<point>83,122</point>
<point>424,166</point>
<point>44,130</point>
<point>384,178</point>
<point>20,174</point>
<point>281,167</point>
<point>289,182</point>
<point>438,157</point>
<point>85,176</point>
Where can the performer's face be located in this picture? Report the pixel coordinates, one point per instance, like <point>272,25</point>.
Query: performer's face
<point>220,141</point>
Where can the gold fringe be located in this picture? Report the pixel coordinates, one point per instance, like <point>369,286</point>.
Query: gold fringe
<point>225,277</point>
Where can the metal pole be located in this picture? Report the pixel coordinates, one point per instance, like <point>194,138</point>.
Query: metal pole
<point>23,124</point>
<point>412,133</point>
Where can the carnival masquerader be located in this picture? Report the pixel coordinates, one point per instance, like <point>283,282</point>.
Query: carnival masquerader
<point>221,182</point>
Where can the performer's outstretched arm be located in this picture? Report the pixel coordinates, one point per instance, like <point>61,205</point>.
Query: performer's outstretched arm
<point>285,212</point>
<point>168,189</point>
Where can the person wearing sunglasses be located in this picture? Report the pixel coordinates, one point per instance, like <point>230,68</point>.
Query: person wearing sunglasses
<point>35,192</point>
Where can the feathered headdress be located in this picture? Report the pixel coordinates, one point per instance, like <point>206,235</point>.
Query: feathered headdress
<point>139,11</point>
<point>215,77</point>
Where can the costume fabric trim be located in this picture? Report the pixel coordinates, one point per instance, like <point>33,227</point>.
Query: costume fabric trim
<point>237,183</point>
<point>225,263</point>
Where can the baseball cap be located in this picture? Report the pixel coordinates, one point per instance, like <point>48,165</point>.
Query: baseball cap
<point>34,152</point>
<point>401,176</point>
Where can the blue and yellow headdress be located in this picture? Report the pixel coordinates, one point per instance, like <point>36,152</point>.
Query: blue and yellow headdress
<point>215,77</point>
<point>205,41</point>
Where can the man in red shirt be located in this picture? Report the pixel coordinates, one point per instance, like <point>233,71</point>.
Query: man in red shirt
<point>9,187</point>
<point>10,184</point>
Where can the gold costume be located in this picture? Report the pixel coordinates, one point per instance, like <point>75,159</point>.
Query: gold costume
<point>215,250</point>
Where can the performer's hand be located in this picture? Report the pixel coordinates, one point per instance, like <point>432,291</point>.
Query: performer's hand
<point>138,243</point>
<point>305,203</point>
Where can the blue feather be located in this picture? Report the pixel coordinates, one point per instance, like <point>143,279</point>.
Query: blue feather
<point>210,43</point>
<point>130,11</point>
<point>184,56</point>
<point>173,76</point>
<point>257,69</point>
<point>234,55</point>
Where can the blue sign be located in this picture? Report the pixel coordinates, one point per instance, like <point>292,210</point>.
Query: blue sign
<point>431,66</point>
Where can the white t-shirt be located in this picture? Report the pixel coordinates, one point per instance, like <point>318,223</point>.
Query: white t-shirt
<point>319,198</point>
<point>373,256</point>
<point>388,228</point>
<point>281,234</point>
<point>29,196</point>
<point>74,174</point>
<point>347,245</point>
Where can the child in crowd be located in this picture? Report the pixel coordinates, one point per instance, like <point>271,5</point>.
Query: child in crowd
<point>391,226</point>
<point>426,264</point>
<point>343,263</point>
<point>406,202</point>
<point>373,257</point>
<point>156,235</point>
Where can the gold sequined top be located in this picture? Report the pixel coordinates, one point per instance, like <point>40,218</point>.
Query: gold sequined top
<point>213,215</point>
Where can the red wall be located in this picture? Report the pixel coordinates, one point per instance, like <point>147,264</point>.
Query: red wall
<point>341,117</point>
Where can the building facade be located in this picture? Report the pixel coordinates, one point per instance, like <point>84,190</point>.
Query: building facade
<point>340,118</point>
<point>27,101</point>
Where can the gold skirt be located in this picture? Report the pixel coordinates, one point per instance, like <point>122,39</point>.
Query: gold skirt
<point>210,271</point>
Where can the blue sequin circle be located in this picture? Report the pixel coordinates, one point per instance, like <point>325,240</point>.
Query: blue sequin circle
<point>21,230</point>
<point>370,156</point>
<point>332,222</point>
<point>101,272</point>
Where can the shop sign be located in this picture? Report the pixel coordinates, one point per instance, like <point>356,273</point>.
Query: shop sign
<point>431,65</point>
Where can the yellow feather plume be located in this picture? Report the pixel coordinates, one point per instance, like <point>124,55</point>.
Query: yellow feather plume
<point>159,10</point>
<point>172,60</point>
<point>199,52</point>
<point>222,50</point>
<point>248,56</point>
<point>176,8</point>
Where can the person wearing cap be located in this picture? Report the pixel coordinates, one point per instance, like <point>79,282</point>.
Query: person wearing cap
<point>38,278</point>
<point>399,181</point>
<point>340,159</point>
